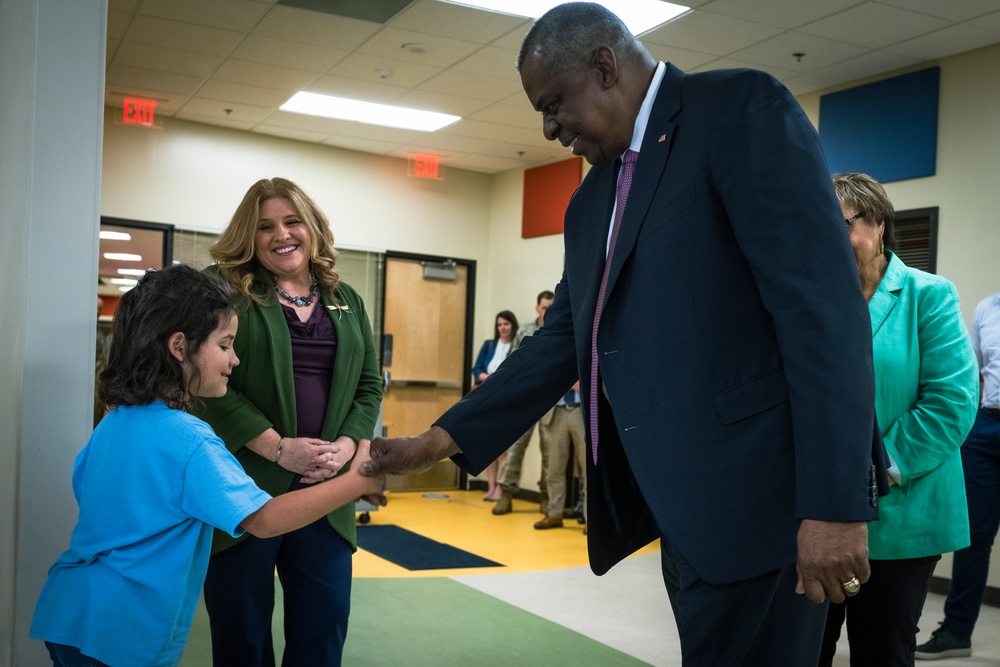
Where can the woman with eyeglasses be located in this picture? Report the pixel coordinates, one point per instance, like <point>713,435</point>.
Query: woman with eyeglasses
<point>926,394</point>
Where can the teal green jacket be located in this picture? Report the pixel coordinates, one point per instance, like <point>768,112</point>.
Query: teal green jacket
<point>261,390</point>
<point>926,395</point>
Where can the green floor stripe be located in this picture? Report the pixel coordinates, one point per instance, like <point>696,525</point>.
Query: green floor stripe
<point>430,622</point>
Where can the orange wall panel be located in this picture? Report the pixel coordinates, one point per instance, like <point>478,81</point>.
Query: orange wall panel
<point>547,191</point>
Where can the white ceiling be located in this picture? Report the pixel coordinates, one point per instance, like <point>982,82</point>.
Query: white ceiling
<point>232,63</point>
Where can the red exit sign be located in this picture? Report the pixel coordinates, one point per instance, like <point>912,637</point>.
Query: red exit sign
<point>139,111</point>
<point>425,166</point>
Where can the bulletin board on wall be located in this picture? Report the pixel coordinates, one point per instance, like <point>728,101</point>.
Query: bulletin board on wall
<point>886,129</point>
<point>547,191</point>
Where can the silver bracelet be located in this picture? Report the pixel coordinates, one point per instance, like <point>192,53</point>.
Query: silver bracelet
<point>277,454</point>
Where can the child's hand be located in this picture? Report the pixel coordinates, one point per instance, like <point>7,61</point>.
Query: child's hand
<point>373,486</point>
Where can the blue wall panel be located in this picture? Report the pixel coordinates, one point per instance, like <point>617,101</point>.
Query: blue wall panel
<point>887,129</point>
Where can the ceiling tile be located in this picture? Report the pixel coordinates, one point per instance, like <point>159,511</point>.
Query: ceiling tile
<point>874,26</point>
<point>439,51</point>
<point>206,107</point>
<point>476,130</point>
<point>363,145</point>
<point>869,64</point>
<point>493,61</point>
<point>184,36</point>
<point>239,15</point>
<point>442,18</point>
<point>488,165</point>
<point>288,133</point>
<point>517,115</point>
<point>718,35</point>
<point>266,76</point>
<point>514,38</point>
<point>779,52</point>
<point>119,76</point>
<point>781,13</point>
<point>732,63</point>
<point>299,121</point>
<point>110,50</point>
<point>286,53</point>
<point>118,22</point>
<point>953,10</point>
<point>519,151</point>
<point>123,5</point>
<point>245,126</point>
<point>243,94</point>
<point>436,141</point>
<point>164,59</point>
<point>682,58</point>
<point>379,133</point>
<point>479,86</point>
<point>381,69</point>
<point>455,105</point>
<point>990,21</point>
<point>947,42</point>
<point>300,25</point>
<point>356,89</point>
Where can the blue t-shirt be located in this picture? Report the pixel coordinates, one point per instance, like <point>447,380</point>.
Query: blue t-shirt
<point>151,484</point>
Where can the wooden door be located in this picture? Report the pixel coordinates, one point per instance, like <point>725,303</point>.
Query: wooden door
<point>424,361</point>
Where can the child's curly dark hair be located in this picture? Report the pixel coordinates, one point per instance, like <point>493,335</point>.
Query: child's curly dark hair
<point>140,367</point>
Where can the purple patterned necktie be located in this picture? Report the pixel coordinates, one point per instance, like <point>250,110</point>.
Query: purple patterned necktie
<point>624,183</point>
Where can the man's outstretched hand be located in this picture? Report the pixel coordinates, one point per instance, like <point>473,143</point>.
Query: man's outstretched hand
<point>398,456</point>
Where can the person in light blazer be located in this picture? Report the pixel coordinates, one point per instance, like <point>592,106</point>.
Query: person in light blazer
<point>926,396</point>
<point>734,394</point>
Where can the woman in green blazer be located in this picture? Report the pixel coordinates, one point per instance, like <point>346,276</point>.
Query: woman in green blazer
<point>306,391</point>
<point>926,391</point>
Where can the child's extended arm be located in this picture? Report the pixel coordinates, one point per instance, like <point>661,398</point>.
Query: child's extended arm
<point>289,511</point>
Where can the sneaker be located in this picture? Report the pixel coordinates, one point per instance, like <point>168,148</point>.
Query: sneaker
<point>944,644</point>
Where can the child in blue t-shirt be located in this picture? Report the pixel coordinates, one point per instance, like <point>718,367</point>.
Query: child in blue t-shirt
<point>153,481</point>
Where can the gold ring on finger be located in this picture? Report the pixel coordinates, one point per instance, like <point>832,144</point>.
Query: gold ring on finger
<point>852,586</point>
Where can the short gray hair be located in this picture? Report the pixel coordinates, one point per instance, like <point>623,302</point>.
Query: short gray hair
<point>566,36</point>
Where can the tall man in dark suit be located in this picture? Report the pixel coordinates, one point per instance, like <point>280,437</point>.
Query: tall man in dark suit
<point>734,392</point>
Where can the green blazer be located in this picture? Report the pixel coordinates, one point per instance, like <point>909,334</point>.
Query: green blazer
<point>926,394</point>
<point>261,390</point>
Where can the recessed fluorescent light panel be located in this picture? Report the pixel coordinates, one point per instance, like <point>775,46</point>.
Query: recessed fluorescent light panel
<point>342,108</point>
<point>639,15</point>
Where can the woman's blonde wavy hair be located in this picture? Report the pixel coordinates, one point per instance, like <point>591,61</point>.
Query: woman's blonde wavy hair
<point>234,251</point>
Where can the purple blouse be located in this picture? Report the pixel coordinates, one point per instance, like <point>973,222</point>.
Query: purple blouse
<point>314,352</point>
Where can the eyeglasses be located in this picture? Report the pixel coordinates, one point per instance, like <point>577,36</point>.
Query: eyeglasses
<point>853,218</point>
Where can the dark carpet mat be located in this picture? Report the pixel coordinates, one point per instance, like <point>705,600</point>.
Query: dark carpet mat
<point>416,552</point>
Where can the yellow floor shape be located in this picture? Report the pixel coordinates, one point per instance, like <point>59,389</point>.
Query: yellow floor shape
<point>463,520</point>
